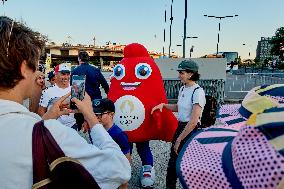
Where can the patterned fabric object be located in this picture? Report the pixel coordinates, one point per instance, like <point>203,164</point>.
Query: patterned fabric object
<point>239,156</point>
<point>256,101</point>
<point>199,163</point>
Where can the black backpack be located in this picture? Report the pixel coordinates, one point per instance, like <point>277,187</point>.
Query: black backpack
<point>51,168</point>
<point>209,112</point>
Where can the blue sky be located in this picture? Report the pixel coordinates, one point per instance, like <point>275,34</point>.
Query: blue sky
<point>127,21</point>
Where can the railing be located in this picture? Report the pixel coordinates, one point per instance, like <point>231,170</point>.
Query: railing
<point>212,87</point>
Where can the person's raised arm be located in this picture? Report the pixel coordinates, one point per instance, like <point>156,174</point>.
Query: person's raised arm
<point>85,107</point>
<point>110,167</point>
<point>56,110</point>
<point>41,110</point>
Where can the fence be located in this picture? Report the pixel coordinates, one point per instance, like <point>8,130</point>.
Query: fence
<point>212,87</point>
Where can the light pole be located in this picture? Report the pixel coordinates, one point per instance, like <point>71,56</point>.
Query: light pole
<point>248,48</point>
<point>220,18</point>
<point>171,19</point>
<point>184,28</point>
<point>179,45</point>
<point>164,33</point>
<point>191,49</point>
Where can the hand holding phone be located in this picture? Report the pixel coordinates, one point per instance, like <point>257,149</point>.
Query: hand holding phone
<point>85,107</point>
<point>77,89</point>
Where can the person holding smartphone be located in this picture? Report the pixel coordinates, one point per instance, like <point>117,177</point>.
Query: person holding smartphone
<point>59,89</point>
<point>94,77</point>
<point>103,160</point>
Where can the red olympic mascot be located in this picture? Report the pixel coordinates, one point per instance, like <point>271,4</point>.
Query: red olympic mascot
<point>136,87</point>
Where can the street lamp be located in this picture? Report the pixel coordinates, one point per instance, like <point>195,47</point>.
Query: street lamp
<point>191,49</point>
<point>184,28</point>
<point>249,50</point>
<point>220,18</point>
<point>171,19</point>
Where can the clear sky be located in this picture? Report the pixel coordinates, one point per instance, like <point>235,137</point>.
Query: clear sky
<point>127,21</point>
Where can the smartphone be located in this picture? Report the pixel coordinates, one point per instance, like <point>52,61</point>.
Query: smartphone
<point>77,88</point>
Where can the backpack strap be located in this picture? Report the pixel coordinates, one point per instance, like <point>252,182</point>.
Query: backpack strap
<point>44,147</point>
<point>40,167</point>
<point>182,87</point>
<point>193,94</point>
<point>47,155</point>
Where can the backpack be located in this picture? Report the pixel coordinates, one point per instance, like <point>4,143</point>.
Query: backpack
<point>51,168</point>
<point>209,113</point>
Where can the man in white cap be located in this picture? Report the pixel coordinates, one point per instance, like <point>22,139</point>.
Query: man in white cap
<point>59,89</point>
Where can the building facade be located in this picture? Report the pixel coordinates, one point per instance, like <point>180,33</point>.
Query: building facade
<point>263,48</point>
<point>100,55</point>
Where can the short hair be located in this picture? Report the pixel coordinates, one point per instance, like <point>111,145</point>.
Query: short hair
<point>84,56</point>
<point>17,43</point>
<point>195,76</point>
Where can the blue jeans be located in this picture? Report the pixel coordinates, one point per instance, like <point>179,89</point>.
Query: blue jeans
<point>144,152</point>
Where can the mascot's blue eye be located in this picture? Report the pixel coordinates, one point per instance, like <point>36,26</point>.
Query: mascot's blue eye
<point>143,70</point>
<point>119,71</point>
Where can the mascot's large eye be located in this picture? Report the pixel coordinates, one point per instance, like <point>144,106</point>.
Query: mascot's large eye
<point>143,70</point>
<point>119,71</point>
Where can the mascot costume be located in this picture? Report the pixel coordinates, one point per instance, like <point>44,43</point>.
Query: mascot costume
<point>136,87</point>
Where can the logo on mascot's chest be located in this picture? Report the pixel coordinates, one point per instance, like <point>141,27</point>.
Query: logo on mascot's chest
<point>129,113</point>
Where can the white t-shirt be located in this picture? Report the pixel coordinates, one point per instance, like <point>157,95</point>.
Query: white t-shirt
<point>185,103</point>
<point>51,95</point>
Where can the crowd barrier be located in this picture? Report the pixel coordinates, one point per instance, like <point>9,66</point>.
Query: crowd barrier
<point>212,87</point>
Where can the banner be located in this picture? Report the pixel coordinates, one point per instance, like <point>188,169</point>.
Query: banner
<point>47,63</point>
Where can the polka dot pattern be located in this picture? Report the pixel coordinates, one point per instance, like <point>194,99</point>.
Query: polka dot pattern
<point>257,164</point>
<point>279,99</point>
<point>201,167</point>
<point>231,109</point>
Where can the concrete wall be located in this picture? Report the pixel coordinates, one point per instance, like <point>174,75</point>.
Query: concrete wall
<point>209,68</point>
<point>73,52</point>
<point>55,51</point>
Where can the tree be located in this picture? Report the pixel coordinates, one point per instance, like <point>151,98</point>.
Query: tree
<point>277,42</point>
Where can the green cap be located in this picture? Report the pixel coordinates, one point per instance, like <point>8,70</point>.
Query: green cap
<point>188,65</point>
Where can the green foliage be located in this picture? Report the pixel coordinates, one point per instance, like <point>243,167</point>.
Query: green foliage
<point>277,42</point>
<point>256,60</point>
<point>281,66</point>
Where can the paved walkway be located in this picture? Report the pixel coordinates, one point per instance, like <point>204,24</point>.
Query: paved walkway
<point>161,153</point>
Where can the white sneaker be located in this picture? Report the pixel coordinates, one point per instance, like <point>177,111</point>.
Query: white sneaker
<point>147,176</point>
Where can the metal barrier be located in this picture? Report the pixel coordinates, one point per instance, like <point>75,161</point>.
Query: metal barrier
<point>212,87</point>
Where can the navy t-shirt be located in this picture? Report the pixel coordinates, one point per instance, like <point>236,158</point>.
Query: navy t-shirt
<point>120,138</point>
<point>94,79</point>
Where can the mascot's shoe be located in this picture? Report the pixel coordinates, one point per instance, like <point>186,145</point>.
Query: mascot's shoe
<point>147,176</point>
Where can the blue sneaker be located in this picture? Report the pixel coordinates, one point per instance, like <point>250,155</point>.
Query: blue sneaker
<point>147,176</point>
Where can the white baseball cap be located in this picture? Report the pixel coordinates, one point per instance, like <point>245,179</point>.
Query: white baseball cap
<point>63,67</point>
